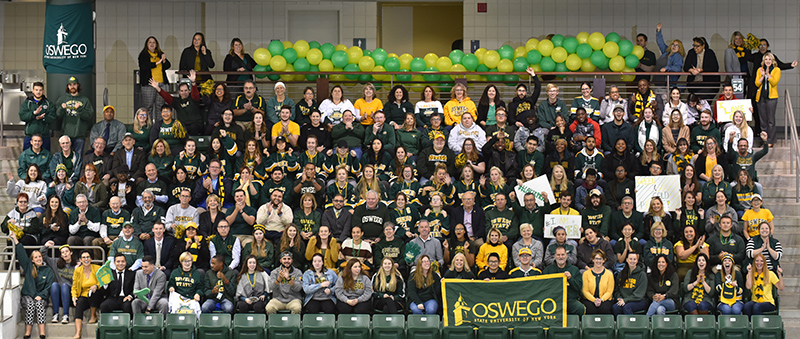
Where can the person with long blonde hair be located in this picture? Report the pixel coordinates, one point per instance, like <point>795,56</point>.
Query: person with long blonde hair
<point>737,130</point>
<point>140,129</point>
<point>388,288</point>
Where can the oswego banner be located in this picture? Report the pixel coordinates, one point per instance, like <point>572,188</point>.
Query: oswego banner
<point>68,39</point>
<point>538,300</point>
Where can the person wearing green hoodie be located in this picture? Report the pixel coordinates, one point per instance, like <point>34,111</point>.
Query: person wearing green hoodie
<point>220,286</point>
<point>75,112</point>
<point>574,280</point>
<point>35,289</point>
<point>631,287</point>
<point>704,130</point>
<point>553,106</point>
<point>37,112</point>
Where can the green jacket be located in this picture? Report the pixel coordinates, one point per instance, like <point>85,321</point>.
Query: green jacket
<point>33,125</point>
<point>397,113</point>
<point>698,294</point>
<point>411,140</point>
<point>635,288</point>
<point>386,134</point>
<point>699,136</point>
<point>92,226</point>
<point>574,284</point>
<point>536,159</point>
<point>39,287</point>
<point>735,245</point>
<point>266,261</point>
<point>547,113</point>
<point>535,218</point>
<point>75,122</point>
<point>228,290</point>
<point>133,250</point>
<point>42,159</point>
<point>354,137</point>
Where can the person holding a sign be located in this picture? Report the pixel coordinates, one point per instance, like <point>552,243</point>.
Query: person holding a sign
<point>767,78</point>
<point>561,265</point>
<point>738,130</point>
<point>598,285</point>
<point>631,287</point>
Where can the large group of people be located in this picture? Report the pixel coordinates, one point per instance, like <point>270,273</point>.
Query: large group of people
<point>323,205</point>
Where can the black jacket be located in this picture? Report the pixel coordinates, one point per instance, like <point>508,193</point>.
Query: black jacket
<point>709,64</point>
<point>505,160</point>
<point>187,61</point>
<point>478,220</point>
<point>146,66</point>
<point>520,114</point>
<point>119,163</point>
<point>168,254</point>
<point>232,63</point>
<point>113,288</point>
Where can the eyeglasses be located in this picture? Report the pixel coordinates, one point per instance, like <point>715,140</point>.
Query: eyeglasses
<point>338,200</point>
<point>676,45</point>
<point>186,261</point>
<point>695,46</point>
<point>223,226</point>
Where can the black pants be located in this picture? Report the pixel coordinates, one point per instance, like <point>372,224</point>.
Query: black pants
<point>84,303</point>
<point>321,306</point>
<point>388,305</point>
<point>195,129</point>
<point>257,307</point>
<point>604,308</point>
<point>360,308</point>
<point>116,304</point>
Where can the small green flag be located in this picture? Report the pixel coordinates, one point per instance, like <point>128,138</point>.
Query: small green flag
<point>412,251</point>
<point>142,294</point>
<point>105,274</point>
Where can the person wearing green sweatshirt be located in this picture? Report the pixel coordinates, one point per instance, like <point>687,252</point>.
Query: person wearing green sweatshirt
<point>725,243</point>
<point>35,154</point>
<point>553,106</point>
<point>220,286</point>
<point>574,280</point>
<point>129,246</point>
<point>75,112</point>
<point>35,289</point>
<point>187,283</point>
<point>631,287</point>
<point>704,130</point>
<point>502,217</point>
<point>37,112</point>
<point>597,213</point>
<point>627,215</point>
<point>533,214</point>
<point>531,155</point>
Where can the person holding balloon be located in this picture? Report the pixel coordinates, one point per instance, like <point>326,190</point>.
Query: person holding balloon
<point>458,105</point>
<point>238,61</point>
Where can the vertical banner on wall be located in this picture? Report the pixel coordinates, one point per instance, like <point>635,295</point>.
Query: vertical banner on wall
<point>68,39</point>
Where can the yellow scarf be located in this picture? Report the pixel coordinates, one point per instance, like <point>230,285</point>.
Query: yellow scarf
<point>156,72</point>
<point>641,103</point>
<point>739,52</point>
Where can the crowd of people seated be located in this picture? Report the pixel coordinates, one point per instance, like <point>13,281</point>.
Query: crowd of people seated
<point>324,205</point>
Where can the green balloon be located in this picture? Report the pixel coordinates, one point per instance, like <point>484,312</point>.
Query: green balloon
<point>520,64</point>
<point>431,77</point>
<point>470,62</point>
<point>613,36</point>
<point>273,77</point>
<point>506,52</point>
<point>547,64</point>
<point>511,79</point>
<point>494,77</point>
<point>598,58</point>
<point>313,68</point>
<point>290,55</point>
<point>392,64</point>
<point>366,53</point>
<point>275,47</point>
<point>313,44</point>
<point>366,78</point>
<point>631,61</point>
<point>404,77</point>
<point>351,68</point>
<point>260,68</point>
<point>327,50</point>
<point>570,44</point>
<point>561,67</point>
<point>482,68</point>
<point>534,57</point>
<point>605,63</point>
<point>584,50</point>
<point>417,65</point>
<point>340,59</point>
<point>445,87</point>
<point>301,65</point>
<point>456,55</point>
<point>558,40</point>
<point>625,48</point>
<point>379,55</point>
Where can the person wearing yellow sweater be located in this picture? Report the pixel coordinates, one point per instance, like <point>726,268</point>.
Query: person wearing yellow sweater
<point>85,292</point>
<point>367,105</point>
<point>492,245</point>
<point>459,104</point>
<point>767,78</point>
<point>598,286</point>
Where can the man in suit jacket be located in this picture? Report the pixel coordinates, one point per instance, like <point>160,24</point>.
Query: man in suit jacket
<point>164,261</point>
<point>476,228</point>
<point>130,158</point>
<point>119,292</point>
<point>156,281</point>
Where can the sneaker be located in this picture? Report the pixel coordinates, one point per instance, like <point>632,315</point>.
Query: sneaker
<point>65,319</point>
<point>55,318</point>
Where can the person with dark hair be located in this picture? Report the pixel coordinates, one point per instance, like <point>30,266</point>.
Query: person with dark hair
<point>154,279</point>
<point>169,129</point>
<point>687,249</point>
<point>590,104</point>
<point>186,104</point>
<point>523,105</point>
<point>54,222</point>
<point>620,187</point>
<point>162,248</point>
<point>727,243</point>
<point>642,98</point>
<point>701,59</point>
<point>286,285</point>
<point>586,188</point>
<point>64,268</point>
<point>574,280</point>
<point>334,106</point>
<point>487,106</point>
<point>648,62</point>
<point>631,288</point>
<point>596,213</point>
<point>85,294</point>
<point>153,65</point>
<point>197,57</point>
<point>662,286</point>
<point>248,103</point>
<point>75,111</point>
<point>318,283</point>
<point>38,155</point>
<point>598,285</point>
<point>238,61</point>
<point>493,269</point>
<point>119,292</point>
<point>397,106</point>
<point>129,246</point>
<point>217,102</point>
<point>698,290</point>
<point>38,113</point>
<point>618,128</point>
<point>316,128</point>
<point>220,286</point>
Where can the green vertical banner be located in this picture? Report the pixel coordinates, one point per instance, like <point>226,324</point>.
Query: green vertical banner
<point>68,39</point>
<point>538,300</point>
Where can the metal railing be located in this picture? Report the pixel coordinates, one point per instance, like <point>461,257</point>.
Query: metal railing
<point>7,283</point>
<point>791,137</point>
<point>54,254</point>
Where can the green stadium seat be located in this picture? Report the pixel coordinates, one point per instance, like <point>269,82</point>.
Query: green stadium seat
<point>283,326</point>
<point>527,332</point>
<point>114,325</point>
<point>353,326</point>
<point>423,326</point>
<point>180,326</point>
<point>633,326</point>
<point>701,326</point>
<point>214,326</point>
<point>667,327</point>
<point>458,332</point>
<point>733,326</point>
<point>388,326</point>
<point>572,330</point>
<point>493,332</point>
<point>249,326</point>
<point>767,326</point>
<point>147,326</point>
<point>319,326</point>
<point>597,326</point>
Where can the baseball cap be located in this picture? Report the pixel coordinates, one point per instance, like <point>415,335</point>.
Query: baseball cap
<point>73,80</point>
<point>525,250</point>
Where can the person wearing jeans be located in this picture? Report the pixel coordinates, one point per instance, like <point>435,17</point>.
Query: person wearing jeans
<point>662,286</point>
<point>220,286</point>
<point>423,288</point>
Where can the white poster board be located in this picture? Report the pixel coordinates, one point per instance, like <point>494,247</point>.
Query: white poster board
<point>666,187</point>
<point>572,223</point>
<point>535,186</point>
<point>725,109</point>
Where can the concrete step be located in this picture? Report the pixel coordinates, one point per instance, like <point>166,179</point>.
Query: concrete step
<point>59,330</point>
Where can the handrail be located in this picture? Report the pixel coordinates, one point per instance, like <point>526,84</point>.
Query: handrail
<point>53,249</point>
<point>459,73</point>
<point>6,283</point>
<point>791,137</point>
<point>2,128</point>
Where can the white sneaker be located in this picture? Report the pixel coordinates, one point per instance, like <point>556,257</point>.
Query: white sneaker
<point>65,319</point>
<point>55,318</point>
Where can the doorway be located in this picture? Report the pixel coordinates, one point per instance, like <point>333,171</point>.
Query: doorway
<point>420,28</point>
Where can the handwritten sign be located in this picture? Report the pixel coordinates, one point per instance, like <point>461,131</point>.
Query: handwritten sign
<point>535,186</point>
<point>725,109</point>
<point>666,187</point>
<point>571,223</point>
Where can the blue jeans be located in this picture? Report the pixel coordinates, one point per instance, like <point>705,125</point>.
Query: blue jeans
<point>661,307</point>
<point>26,143</point>
<point>431,307</point>
<point>630,308</point>
<point>735,309</point>
<point>62,293</point>
<point>703,306</point>
<point>754,308</point>
<point>211,305</point>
